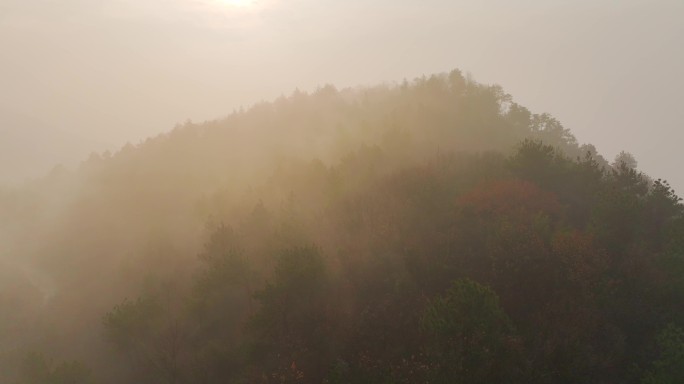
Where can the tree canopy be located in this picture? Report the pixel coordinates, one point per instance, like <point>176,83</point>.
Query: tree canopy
<point>433,231</point>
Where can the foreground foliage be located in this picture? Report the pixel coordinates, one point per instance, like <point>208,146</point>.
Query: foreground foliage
<point>547,270</point>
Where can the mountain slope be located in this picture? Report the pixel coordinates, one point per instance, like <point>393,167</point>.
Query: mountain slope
<point>403,189</point>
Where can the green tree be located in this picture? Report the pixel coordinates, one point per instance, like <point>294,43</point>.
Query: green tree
<point>292,324</point>
<point>221,303</point>
<point>471,339</point>
<point>669,368</point>
<point>625,158</point>
<point>150,336</point>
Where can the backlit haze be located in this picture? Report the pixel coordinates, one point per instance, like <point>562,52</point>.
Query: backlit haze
<point>78,76</point>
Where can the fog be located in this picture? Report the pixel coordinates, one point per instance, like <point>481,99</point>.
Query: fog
<point>272,191</point>
<point>83,76</point>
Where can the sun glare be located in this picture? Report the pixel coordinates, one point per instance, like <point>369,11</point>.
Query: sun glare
<point>238,3</point>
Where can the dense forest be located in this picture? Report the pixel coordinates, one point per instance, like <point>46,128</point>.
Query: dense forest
<point>430,231</point>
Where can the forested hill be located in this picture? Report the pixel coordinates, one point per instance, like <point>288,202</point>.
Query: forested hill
<point>432,231</point>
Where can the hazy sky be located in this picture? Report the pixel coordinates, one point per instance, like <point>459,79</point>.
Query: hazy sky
<point>87,75</point>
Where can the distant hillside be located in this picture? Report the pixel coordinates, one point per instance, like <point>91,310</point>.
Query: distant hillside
<point>338,237</point>
<point>173,181</point>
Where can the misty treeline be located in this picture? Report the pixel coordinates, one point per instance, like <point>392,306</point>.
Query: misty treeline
<point>431,231</point>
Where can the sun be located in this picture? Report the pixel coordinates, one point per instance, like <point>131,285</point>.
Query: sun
<point>239,3</point>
